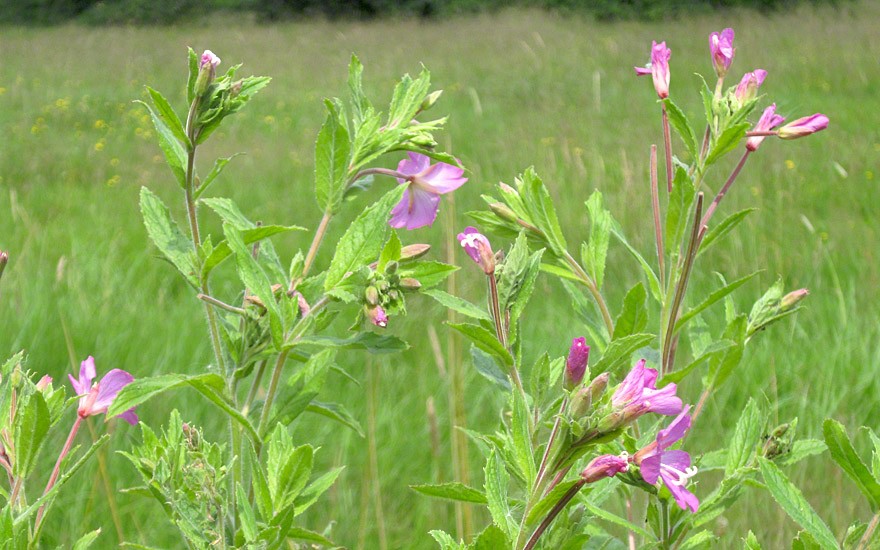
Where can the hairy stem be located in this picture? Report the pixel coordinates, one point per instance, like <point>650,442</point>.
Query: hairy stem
<point>57,469</point>
<point>316,242</point>
<point>704,222</point>
<point>658,222</point>
<point>667,145</point>
<point>869,532</point>
<point>499,328</point>
<point>594,291</point>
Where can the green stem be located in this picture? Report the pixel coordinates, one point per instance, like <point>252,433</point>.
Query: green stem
<point>594,291</point>
<point>667,145</point>
<point>499,328</point>
<point>372,451</point>
<point>664,524</point>
<point>658,222</point>
<point>316,242</point>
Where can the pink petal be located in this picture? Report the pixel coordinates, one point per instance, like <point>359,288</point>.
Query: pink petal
<point>684,498</point>
<point>642,71</point>
<point>413,165</point>
<point>108,387</point>
<point>663,401</point>
<point>650,468</point>
<point>632,386</point>
<point>416,209</point>
<point>443,178</point>
<point>130,416</point>
<point>680,460</point>
<point>675,430</point>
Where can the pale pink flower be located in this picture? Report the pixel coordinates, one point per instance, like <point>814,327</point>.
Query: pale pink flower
<point>96,398</point>
<point>658,68</point>
<point>425,183</point>
<point>721,46</point>
<point>804,126</point>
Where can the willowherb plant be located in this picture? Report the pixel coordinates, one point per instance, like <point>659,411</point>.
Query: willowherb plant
<point>600,431</point>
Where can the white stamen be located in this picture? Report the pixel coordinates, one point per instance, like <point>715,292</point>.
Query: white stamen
<point>681,478</point>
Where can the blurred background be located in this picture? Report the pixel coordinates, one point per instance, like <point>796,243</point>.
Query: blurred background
<point>545,83</point>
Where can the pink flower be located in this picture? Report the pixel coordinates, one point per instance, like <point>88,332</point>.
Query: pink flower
<point>673,467</point>
<point>208,58</point>
<point>426,182</point>
<point>604,466</point>
<point>638,395</point>
<point>478,248</point>
<point>576,363</point>
<point>769,120</point>
<point>96,398</point>
<point>377,316</point>
<point>804,126</point>
<point>658,68</point>
<point>747,89</point>
<point>721,46</point>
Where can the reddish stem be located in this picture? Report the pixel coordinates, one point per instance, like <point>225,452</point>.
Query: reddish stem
<point>57,470</point>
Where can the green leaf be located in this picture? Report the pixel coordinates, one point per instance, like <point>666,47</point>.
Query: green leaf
<point>727,142</point>
<point>86,540</point>
<point>407,98</point>
<point>452,491</point>
<point>315,489</point>
<point>617,520</point>
<point>745,438</point>
<point>682,126</point>
<point>800,450</point>
<point>488,367</point>
<point>548,501</point>
<point>795,505</point>
<point>445,541</point>
<point>248,236</point>
<point>31,428</point>
<point>521,430</point>
<point>332,151</point>
<point>537,202</point>
<point>845,456</point>
<point>723,228</point>
<point>367,341</point>
<point>496,480</point>
<point>703,539</point>
<point>751,542</point>
<point>596,250</point>
<point>633,316</point>
<point>210,385</point>
<point>303,534</point>
<point>427,273</point>
<point>458,304</point>
<point>169,117</point>
<point>256,282</point>
<point>337,412</point>
<point>391,252</point>
<point>175,155</point>
<point>653,281</point>
<point>492,538</point>
<point>619,351</point>
<point>805,541</point>
<point>193,63</point>
<point>292,476</point>
<point>167,236</point>
<point>712,298</point>
<point>246,516</point>
<point>219,165</point>
<point>485,340</point>
<point>363,240</point>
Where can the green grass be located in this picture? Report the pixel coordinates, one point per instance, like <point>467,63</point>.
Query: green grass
<point>521,89</point>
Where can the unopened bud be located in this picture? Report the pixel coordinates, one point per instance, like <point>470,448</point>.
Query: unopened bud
<point>804,126</point>
<point>604,466</point>
<point>792,298</point>
<point>430,100</point>
<point>44,383</point>
<point>372,295</point>
<point>391,267</point>
<point>503,211</point>
<point>408,283</point>
<point>576,363</point>
<point>207,67</point>
<point>413,251</point>
<point>423,140</point>
<point>478,248</point>
<point>583,400</point>
<point>235,89</point>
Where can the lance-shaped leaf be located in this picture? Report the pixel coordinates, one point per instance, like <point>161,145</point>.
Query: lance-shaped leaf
<point>458,304</point>
<point>175,154</point>
<point>682,126</point>
<point>219,165</point>
<point>363,240</point>
<point>539,206</point>
<point>496,480</point>
<point>31,428</point>
<point>727,142</point>
<point>452,491</point>
<point>485,340</point>
<point>248,236</point>
<point>795,505</point>
<point>745,438</point>
<point>595,251</point>
<point>332,151</point>
<point>633,316</point>
<point>845,456</point>
<point>167,237</point>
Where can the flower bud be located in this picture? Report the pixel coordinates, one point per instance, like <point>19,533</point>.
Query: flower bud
<point>503,211</point>
<point>413,251</point>
<point>408,283</point>
<point>372,295</point>
<point>604,466</point>
<point>478,248</point>
<point>430,100</point>
<point>576,363</point>
<point>377,316</point>
<point>792,298</point>
<point>583,400</point>
<point>721,46</point>
<point>747,89</point>
<point>769,120</point>
<point>391,267</point>
<point>507,189</point>
<point>804,126</point>
<point>44,382</point>
<point>207,68</point>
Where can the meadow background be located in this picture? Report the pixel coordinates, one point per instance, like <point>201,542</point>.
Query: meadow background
<point>522,88</point>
